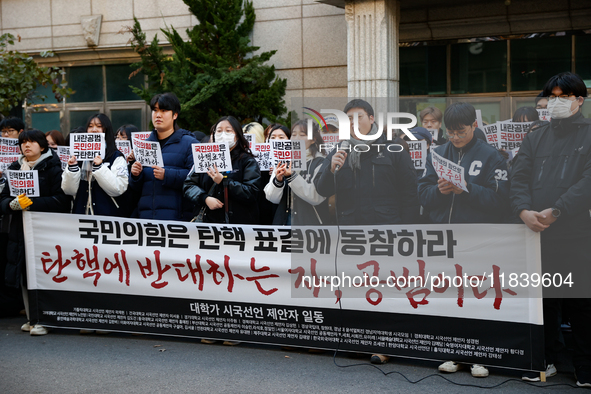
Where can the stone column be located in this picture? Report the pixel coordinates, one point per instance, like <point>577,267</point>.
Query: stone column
<point>372,48</point>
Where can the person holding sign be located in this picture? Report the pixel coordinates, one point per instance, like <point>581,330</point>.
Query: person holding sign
<point>36,156</point>
<point>484,197</point>
<point>551,194</point>
<point>161,188</point>
<point>230,197</point>
<point>304,206</point>
<point>97,184</point>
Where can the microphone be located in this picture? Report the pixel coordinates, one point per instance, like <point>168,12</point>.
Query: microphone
<point>344,146</point>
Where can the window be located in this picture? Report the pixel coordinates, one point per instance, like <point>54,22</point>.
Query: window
<point>423,70</point>
<point>479,67</point>
<point>583,58</point>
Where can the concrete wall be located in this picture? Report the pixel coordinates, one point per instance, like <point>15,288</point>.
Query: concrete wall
<point>310,38</point>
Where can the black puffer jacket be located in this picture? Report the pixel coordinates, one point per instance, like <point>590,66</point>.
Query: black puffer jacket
<point>382,191</point>
<point>553,170</point>
<point>485,172</point>
<point>242,184</point>
<point>52,199</point>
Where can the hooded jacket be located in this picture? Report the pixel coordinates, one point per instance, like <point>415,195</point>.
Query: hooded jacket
<point>553,170</point>
<point>52,199</point>
<point>382,191</point>
<point>485,172</point>
<point>163,199</point>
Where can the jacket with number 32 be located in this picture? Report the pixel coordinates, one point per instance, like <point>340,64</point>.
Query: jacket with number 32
<point>485,172</point>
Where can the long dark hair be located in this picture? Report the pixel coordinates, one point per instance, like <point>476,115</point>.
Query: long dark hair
<point>108,130</point>
<point>277,126</point>
<point>317,140</point>
<point>241,143</point>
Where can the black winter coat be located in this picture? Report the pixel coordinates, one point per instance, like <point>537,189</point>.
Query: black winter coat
<point>52,199</point>
<point>485,172</point>
<point>243,189</point>
<point>382,191</point>
<point>553,170</point>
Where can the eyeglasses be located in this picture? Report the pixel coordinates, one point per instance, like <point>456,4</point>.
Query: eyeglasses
<point>7,132</point>
<point>563,98</point>
<point>451,134</point>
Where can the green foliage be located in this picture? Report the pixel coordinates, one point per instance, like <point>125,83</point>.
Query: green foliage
<point>215,73</point>
<point>20,75</point>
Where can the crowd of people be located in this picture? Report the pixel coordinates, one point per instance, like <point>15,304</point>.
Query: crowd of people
<point>547,185</point>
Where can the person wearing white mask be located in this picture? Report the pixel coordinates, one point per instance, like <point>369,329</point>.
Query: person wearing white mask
<point>550,192</point>
<point>227,197</point>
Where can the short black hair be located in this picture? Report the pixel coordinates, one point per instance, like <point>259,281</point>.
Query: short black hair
<point>568,82</point>
<point>459,115</point>
<point>358,103</point>
<point>127,129</point>
<point>167,101</point>
<point>12,123</point>
<point>33,135</point>
<point>529,113</point>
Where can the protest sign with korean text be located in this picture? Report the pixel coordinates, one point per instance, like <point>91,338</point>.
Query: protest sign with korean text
<point>418,153</point>
<point>9,152</point>
<point>208,155</point>
<point>124,147</point>
<point>543,114</point>
<point>23,182</point>
<point>263,154</point>
<point>448,170</point>
<point>141,135</point>
<point>330,141</point>
<point>250,139</point>
<point>87,146</point>
<point>63,153</point>
<point>286,151</point>
<point>148,153</point>
<point>511,134</point>
<point>491,134</point>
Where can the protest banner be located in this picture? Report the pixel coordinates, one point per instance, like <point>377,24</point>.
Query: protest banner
<point>9,152</point>
<point>148,153</point>
<point>491,134</point>
<point>442,291</point>
<point>418,153</point>
<point>511,134</point>
<point>263,154</point>
<point>285,151</point>
<point>543,114</point>
<point>330,141</point>
<point>141,135</point>
<point>63,153</point>
<point>205,156</point>
<point>250,139</point>
<point>87,146</point>
<point>448,170</point>
<point>23,182</point>
<point>124,147</point>
<point>9,147</point>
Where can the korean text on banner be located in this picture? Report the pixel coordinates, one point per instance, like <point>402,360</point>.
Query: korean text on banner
<point>294,151</point>
<point>87,146</point>
<point>418,153</point>
<point>448,170</point>
<point>148,153</point>
<point>205,156</point>
<point>124,147</point>
<point>23,182</point>
<point>263,154</point>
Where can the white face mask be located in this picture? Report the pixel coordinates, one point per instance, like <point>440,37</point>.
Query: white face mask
<point>228,138</point>
<point>560,108</point>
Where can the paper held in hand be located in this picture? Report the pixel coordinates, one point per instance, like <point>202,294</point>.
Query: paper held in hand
<point>148,153</point>
<point>418,153</point>
<point>63,153</point>
<point>448,170</point>
<point>205,156</point>
<point>87,146</point>
<point>263,154</point>
<point>23,182</point>
<point>9,152</point>
<point>290,150</point>
<point>140,135</point>
<point>250,139</point>
<point>124,147</point>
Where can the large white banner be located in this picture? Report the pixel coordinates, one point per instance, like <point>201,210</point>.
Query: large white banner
<point>406,281</point>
